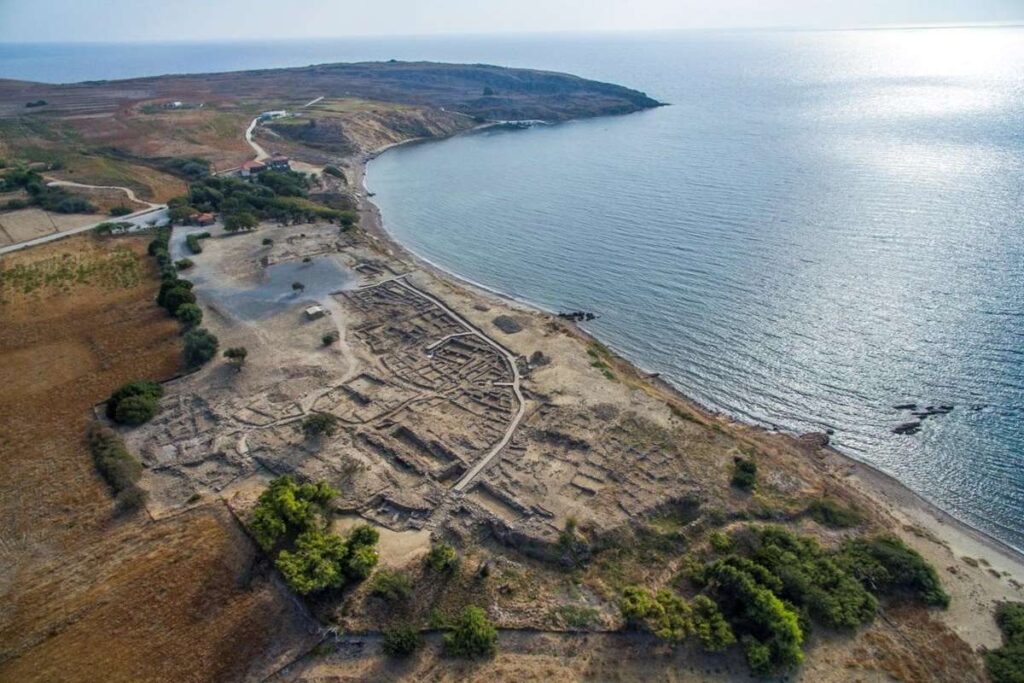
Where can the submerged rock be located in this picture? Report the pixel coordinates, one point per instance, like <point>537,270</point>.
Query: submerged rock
<point>907,428</point>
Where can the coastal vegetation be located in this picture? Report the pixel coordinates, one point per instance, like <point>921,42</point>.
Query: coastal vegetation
<point>766,587</point>
<point>1006,664</point>
<point>744,473</point>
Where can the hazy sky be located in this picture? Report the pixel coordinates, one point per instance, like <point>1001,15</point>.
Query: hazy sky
<point>107,20</point>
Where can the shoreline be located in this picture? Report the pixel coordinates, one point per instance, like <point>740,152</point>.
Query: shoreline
<point>884,488</point>
<point>906,507</point>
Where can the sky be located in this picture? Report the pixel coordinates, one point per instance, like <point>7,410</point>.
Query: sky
<point>165,20</point>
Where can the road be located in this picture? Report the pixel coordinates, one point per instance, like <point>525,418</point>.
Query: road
<point>261,153</point>
<point>139,219</point>
<point>467,479</point>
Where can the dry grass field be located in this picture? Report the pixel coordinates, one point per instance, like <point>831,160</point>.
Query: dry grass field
<point>87,594</point>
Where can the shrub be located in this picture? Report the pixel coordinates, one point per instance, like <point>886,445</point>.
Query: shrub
<point>887,566</point>
<point>267,241</point>
<point>330,338</point>
<point>744,473</point>
<point>320,424</point>
<point>334,171</point>
<point>833,513</point>
<point>1006,664</point>
<point>116,465</point>
<point>391,585</point>
<point>193,241</point>
<point>141,397</point>
<point>472,635</point>
<point>236,355</point>
<point>120,210</point>
<point>442,558</point>
<point>184,263</point>
<point>189,315</point>
<point>401,641</point>
<point>200,346</point>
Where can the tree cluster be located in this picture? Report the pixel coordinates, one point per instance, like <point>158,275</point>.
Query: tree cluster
<point>272,195</point>
<point>116,465</point>
<point>289,523</point>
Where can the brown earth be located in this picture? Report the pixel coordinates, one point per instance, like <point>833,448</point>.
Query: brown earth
<point>88,594</point>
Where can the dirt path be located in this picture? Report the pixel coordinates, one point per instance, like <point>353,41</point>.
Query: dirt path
<point>261,153</point>
<point>126,190</point>
<point>467,479</point>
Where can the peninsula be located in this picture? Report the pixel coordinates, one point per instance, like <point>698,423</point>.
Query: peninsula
<point>247,436</point>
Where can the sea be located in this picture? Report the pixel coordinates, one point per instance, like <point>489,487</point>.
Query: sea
<point>820,229</point>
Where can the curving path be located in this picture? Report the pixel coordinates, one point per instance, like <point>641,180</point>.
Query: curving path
<point>126,190</point>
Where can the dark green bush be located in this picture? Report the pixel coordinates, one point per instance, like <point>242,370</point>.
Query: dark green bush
<point>120,210</point>
<point>136,410</point>
<point>200,346</point>
<point>192,240</point>
<point>334,171</point>
<point>184,263</point>
<point>320,424</point>
<point>887,566</point>
<point>472,635</point>
<point>401,641</point>
<point>744,473</point>
<point>176,297</point>
<point>142,397</point>
<point>189,315</point>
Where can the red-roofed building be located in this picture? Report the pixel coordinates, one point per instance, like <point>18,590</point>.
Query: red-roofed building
<point>251,168</point>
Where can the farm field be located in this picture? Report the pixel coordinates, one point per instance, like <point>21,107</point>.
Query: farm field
<point>90,594</point>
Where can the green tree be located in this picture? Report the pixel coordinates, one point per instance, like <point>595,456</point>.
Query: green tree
<point>320,424</point>
<point>200,346</point>
<point>241,220</point>
<point>319,561</point>
<point>288,507</point>
<point>177,297</point>
<point>149,392</point>
<point>472,635</point>
<point>136,410</point>
<point>189,315</point>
